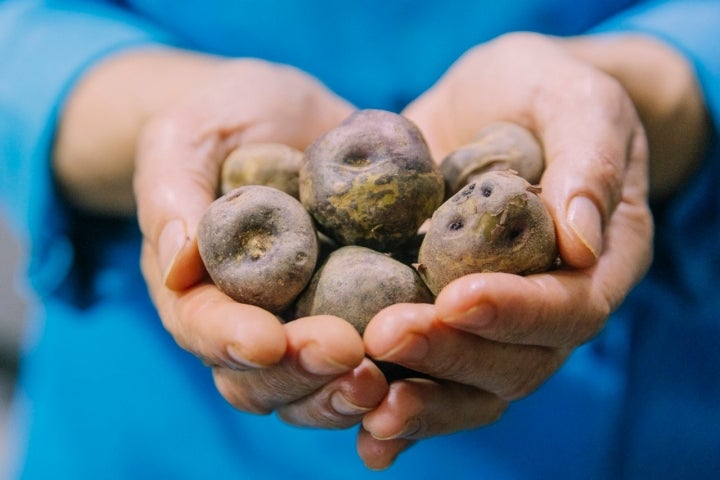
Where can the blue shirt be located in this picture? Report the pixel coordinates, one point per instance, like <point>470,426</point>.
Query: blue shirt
<point>106,393</point>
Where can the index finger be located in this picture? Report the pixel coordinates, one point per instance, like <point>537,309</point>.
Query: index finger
<point>552,310</point>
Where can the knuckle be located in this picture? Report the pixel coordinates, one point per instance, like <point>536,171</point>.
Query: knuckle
<point>609,173</point>
<point>287,381</point>
<point>601,90</point>
<point>640,148</point>
<point>592,326</point>
<point>584,327</point>
<point>189,313</point>
<point>494,410</point>
<point>315,416</point>
<point>519,387</point>
<point>236,393</point>
<point>459,358</point>
<point>273,77</point>
<point>527,380</point>
<point>521,41</point>
<point>454,366</point>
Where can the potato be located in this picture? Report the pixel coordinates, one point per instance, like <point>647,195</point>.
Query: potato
<point>271,164</point>
<point>371,181</point>
<point>259,246</point>
<point>499,146</point>
<point>496,224</point>
<point>356,282</point>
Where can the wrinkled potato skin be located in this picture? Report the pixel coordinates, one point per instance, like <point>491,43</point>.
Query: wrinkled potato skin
<point>355,283</point>
<point>271,164</point>
<point>496,224</point>
<point>499,146</point>
<point>259,246</point>
<point>371,181</point>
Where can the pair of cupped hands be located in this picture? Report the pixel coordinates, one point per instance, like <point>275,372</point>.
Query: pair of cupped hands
<point>489,338</point>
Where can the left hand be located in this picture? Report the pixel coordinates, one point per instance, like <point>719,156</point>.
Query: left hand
<point>492,338</point>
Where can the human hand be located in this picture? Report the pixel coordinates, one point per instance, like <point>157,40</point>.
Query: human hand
<point>491,338</point>
<point>312,370</point>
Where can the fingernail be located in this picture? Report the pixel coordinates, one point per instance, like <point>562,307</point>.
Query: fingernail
<point>343,406</point>
<point>315,361</point>
<point>585,220</point>
<point>475,317</point>
<point>172,239</point>
<point>238,361</point>
<point>413,348</point>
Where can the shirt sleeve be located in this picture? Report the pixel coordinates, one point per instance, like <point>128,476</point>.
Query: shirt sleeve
<point>690,26</point>
<point>690,216</point>
<point>44,48</point>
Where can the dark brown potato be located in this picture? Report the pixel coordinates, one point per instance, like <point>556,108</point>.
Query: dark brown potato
<point>356,282</point>
<point>371,181</point>
<point>499,146</point>
<point>259,246</point>
<point>271,164</point>
<point>496,224</point>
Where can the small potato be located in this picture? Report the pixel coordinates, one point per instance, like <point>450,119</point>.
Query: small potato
<point>259,246</point>
<point>496,224</point>
<point>271,164</point>
<point>498,146</point>
<point>356,282</point>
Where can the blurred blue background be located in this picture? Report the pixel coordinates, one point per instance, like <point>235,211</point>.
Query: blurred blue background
<point>12,315</point>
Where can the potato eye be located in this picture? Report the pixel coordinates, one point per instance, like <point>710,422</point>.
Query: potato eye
<point>456,224</point>
<point>358,157</point>
<point>464,193</point>
<point>514,234</point>
<point>486,189</point>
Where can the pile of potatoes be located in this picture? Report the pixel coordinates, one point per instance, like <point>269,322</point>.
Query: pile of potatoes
<point>365,218</point>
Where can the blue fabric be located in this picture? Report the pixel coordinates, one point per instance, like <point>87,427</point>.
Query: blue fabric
<point>44,48</point>
<point>688,26</point>
<point>107,394</point>
<point>671,424</point>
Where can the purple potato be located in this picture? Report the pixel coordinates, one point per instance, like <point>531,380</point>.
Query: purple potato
<point>271,164</point>
<point>259,246</point>
<point>496,224</point>
<point>371,181</point>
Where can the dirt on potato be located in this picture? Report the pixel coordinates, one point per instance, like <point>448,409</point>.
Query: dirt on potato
<point>371,181</point>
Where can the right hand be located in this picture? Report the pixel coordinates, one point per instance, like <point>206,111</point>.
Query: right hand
<point>313,370</point>
<point>491,338</point>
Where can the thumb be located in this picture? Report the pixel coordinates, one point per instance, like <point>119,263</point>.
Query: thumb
<point>594,161</point>
<point>175,181</point>
<point>583,184</point>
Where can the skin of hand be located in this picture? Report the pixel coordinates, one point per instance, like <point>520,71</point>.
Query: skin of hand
<point>491,338</point>
<point>311,371</point>
<point>181,114</point>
